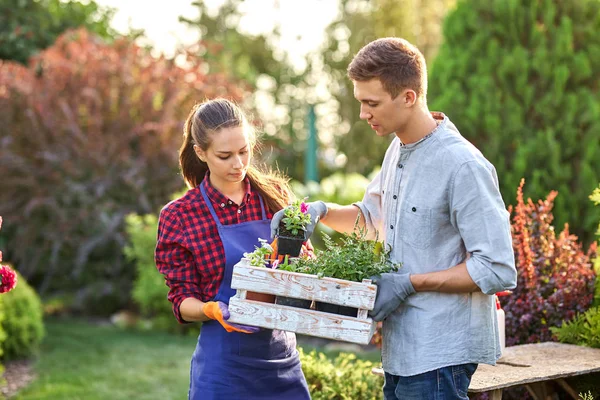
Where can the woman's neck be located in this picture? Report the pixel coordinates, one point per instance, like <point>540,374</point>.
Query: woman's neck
<point>233,190</point>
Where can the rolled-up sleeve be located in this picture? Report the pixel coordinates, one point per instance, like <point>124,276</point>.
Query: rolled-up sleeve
<point>175,262</point>
<point>478,212</point>
<point>371,206</point>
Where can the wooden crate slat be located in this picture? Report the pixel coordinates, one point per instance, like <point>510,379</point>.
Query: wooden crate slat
<point>304,286</point>
<point>308,322</point>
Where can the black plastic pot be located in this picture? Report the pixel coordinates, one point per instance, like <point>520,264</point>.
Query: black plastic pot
<point>290,245</point>
<point>293,302</point>
<point>336,309</point>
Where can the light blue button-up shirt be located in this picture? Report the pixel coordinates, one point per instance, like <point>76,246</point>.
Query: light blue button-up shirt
<point>434,202</point>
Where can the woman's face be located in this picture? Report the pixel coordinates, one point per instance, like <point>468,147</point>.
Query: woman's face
<point>227,157</point>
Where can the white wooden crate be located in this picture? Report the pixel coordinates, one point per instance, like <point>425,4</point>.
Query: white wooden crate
<point>360,295</point>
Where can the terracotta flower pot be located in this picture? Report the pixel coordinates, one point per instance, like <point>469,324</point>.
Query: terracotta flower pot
<point>262,297</point>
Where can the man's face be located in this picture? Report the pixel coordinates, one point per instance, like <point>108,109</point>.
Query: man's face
<point>384,114</point>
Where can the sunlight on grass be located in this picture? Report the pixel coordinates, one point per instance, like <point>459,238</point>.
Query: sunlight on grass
<point>82,361</point>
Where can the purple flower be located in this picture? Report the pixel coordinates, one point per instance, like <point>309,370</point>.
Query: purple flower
<point>304,208</point>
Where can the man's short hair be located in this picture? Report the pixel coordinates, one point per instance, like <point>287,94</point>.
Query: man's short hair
<point>395,62</point>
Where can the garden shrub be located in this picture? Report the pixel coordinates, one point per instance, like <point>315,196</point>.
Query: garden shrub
<point>519,79</point>
<point>595,197</point>
<point>583,330</point>
<point>89,134</point>
<point>149,288</point>
<point>2,334</point>
<point>344,377</point>
<point>555,277</point>
<point>23,323</point>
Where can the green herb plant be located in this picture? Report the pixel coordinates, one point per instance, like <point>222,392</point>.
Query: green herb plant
<point>260,256</point>
<point>355,258</point>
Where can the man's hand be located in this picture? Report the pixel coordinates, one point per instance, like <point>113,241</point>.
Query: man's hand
<point>316,209</point>
<point>219,311</point>
<point>392,290</point>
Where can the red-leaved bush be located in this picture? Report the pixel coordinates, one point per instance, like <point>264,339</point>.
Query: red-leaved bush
<point>555,276</point>
<point>89,133</point>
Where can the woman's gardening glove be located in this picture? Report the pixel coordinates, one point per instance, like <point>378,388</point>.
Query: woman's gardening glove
<point>392,290</point>
<point>219,311</point>
<point>316,209</point>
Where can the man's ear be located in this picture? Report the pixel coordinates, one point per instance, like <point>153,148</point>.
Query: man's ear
<point>200,153</point>
<point>409,97</point>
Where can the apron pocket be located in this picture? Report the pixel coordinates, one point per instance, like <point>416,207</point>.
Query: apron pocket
<point>267,344</point>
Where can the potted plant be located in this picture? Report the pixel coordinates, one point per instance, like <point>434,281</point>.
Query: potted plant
<point>291,233</point>
<point>260,257</point>
<point>355,258</point>
<point>267,256</point>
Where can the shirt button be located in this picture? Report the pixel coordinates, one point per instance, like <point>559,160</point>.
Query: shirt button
<point>230,202</point>
<point>391,226</point>
<point>400,165</point>
<point>414,209</point>
<point>395,197</point>
<point>222,205</point>
<point>239,211</point>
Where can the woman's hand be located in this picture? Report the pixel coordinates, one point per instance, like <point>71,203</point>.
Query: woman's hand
<point>219,311</point>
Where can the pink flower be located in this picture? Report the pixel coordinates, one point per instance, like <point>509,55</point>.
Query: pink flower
<point>303,208</point>
<point>274,264</point>
<point>8,279</point>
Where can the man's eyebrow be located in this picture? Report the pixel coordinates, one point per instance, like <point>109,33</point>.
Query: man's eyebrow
<point>368,100</point>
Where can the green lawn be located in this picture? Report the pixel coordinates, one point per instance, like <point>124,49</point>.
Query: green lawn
<point>89,362</point>
<point>79,360</point>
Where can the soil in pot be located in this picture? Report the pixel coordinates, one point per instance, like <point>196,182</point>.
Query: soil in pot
<point>293,302</point>
<point>336,309</point>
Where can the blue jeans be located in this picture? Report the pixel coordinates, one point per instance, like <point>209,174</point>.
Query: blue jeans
<point>440,384</point>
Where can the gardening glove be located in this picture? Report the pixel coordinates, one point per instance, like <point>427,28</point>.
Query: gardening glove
<point>219,311</point>
<point>316,209</point>
<point>392,290</point>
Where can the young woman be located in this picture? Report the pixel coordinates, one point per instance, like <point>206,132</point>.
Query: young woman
<point>201,236</point>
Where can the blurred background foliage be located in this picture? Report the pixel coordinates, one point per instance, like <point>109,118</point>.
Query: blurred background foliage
<point>520,80</point>
<point>90,121</point>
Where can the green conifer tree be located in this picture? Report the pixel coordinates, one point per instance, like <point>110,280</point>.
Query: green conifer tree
<point>520,80</point>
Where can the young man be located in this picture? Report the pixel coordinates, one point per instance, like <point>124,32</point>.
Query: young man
<point>437,205</point>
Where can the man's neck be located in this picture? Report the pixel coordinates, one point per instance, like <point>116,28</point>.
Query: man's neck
<point>420,125</point>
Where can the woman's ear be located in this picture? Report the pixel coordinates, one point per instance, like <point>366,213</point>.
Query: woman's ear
<point>200,153</point>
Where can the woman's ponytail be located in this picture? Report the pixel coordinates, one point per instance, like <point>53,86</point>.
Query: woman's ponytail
<point>192,168</point>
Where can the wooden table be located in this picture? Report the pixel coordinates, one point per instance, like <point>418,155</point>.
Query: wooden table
<point>534,366</point>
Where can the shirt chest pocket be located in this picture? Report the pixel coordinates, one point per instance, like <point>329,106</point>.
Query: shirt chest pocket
<point>415,225</point>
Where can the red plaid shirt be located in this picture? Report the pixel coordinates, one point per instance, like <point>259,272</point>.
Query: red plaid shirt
<point>189,252</point>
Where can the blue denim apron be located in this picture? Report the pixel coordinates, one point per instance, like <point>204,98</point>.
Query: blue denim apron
<point>233,365</point>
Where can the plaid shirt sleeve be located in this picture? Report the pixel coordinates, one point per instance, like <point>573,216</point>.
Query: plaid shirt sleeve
<point>175,261</point>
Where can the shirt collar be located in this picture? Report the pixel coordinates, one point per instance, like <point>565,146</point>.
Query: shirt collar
<point>440,119</point>
<point>219,198</point>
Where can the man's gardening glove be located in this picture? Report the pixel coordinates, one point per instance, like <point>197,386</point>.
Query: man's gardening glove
<point>316,209</point>
<point>219,311</point>
<point>392,290</point>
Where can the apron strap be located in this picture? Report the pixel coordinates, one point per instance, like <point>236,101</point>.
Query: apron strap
<point>214,214</point>
<point>262,207</point>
